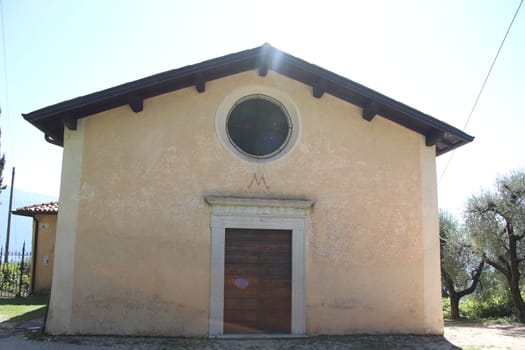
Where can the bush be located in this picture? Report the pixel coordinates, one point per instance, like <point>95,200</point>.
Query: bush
<point>446,307</point>
<point>492,307</point>
<point>10,281</point>
<point>495,306</point>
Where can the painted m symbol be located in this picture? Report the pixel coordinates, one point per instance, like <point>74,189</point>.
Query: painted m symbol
<point>258,181</point>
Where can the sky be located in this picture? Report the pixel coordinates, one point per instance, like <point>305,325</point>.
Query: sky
<point>432,55</point>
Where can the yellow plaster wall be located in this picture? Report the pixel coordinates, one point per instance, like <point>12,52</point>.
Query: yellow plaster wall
<point>45,243</point>
<point>59,316</point>
<point>142,258</point>
<point>432,283</point>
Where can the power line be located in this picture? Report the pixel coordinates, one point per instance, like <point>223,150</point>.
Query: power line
<point>9,138</point>
<point>482,87</point>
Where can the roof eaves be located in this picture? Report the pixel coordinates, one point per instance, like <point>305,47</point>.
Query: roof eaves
<point>147,87</point>
<point>49,208</point>
<point>137,85</point>
<point>23,213</point>
<point>32,213</point>
<point>51,120</point>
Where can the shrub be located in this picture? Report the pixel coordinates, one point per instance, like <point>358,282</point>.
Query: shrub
<point>495,306</point>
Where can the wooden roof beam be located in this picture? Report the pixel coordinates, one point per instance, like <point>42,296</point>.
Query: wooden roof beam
<point>370,110</point>
<point>433,137</point>
<point>263,60</point>
<point>200,82</point>
<point>70,122</point>
<point>135,102</point>
<point>263,65</point>
<point>319,88</point>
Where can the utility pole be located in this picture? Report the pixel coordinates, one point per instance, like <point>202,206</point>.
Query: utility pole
<point>9,217</point>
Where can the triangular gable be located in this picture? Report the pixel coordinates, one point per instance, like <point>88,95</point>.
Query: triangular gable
<point>52,120</point>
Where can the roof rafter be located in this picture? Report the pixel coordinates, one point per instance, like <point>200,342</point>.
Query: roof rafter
<point>200,82</point>
<point>136,102</point>
<point>370,110</point>
<point>319,88</point>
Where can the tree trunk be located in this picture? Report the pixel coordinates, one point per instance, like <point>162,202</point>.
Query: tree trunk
<point>454,295</point>
<point>454,305</point>
<point>517,300</point>
<point>514,275</point>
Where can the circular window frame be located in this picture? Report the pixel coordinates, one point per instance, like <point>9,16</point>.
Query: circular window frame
<point>245,93</point>
<point>277,104</point>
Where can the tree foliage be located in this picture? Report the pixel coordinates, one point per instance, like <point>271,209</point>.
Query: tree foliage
<point>460,267</point>
<point>496,225</point>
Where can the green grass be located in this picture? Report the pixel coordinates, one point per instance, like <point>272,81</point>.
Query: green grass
<point>18,310</point>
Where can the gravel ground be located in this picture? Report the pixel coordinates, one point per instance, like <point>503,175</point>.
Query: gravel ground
<point>20,341</point>
<point>457,336</point>
<point>474,336</point>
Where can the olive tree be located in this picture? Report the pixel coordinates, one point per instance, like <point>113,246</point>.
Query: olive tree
<point>496,224</point>
<point>460,267</point>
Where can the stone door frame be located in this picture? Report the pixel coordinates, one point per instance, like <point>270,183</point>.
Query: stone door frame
<point>256,213</point>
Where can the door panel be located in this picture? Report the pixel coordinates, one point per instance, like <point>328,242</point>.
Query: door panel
<point>257,281</point>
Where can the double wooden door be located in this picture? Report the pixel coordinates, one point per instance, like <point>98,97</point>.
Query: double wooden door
<point>257,281</point>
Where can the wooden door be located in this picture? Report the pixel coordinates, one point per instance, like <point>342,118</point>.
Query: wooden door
<point>257,281</point>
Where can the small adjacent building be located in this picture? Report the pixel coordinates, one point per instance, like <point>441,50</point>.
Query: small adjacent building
<point>251,193</point>
<point>43,244</point>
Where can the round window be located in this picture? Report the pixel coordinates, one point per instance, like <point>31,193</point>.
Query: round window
<point>258,126</point>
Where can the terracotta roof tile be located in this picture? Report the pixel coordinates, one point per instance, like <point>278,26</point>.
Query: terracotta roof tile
<point>49,208</point>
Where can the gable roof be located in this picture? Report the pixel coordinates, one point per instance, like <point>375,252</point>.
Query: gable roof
<point>52,119</point>
<point>50,208</point>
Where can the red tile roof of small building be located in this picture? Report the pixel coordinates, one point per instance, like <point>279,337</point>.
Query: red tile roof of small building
<point>50,208</point>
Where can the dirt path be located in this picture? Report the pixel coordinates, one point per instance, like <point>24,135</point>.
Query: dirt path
<point>485,336</point>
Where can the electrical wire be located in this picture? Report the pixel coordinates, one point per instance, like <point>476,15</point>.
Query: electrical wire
<point>4,54</point>
<point>482,87</point>
<point>11,157</point>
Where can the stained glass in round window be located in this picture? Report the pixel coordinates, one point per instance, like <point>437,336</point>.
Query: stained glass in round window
<point>259,126</point>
